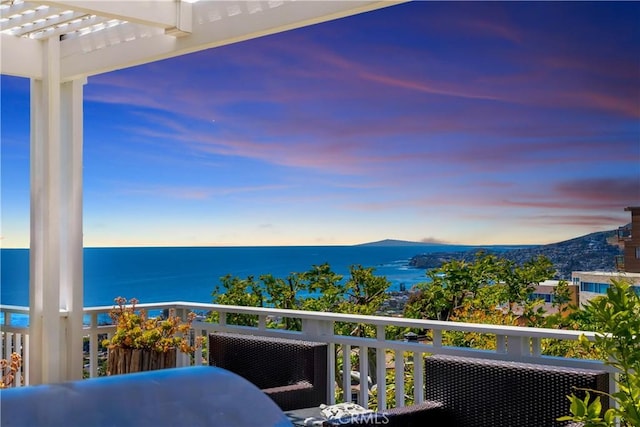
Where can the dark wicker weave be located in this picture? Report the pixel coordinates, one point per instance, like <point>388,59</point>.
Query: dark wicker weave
<point>292,372</point>
<point>496,393</point>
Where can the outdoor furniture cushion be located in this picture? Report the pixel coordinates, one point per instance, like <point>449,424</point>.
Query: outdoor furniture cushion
<point>200,396</point>
<point>492,393</point>
<point>292,372</point>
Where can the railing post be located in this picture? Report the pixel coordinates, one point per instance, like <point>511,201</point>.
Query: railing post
<point>182,359</point>
<point>517,347</point>
<point>437,337</point>
<point>316,329</point>
<point>322,331</point>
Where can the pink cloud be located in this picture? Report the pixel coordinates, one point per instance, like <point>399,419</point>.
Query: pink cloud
<point>192,192</point>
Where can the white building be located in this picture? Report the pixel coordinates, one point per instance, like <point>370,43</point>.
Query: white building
<point>595,283</point>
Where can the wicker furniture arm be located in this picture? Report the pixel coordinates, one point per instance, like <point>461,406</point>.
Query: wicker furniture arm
<point>292,372</point>
<point>488,393</point>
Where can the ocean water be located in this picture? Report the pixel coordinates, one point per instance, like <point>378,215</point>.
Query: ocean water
<point>191,273</point>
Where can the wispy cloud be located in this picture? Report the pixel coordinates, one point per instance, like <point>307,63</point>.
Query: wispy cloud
<point>192,192</point>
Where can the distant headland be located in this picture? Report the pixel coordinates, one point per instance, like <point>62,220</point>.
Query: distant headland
<point>393,242</point>
<point>592,252</point>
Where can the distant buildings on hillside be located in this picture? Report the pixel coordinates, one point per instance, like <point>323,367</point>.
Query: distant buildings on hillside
<point>589,284</point>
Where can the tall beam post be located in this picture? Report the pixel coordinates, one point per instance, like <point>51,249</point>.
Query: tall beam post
<point>55,284</point>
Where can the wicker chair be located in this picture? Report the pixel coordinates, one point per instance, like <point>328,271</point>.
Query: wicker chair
<point>487,393</point>
<point>292,372</point>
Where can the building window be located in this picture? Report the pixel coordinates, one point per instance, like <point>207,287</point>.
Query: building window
<point>587,287</point>
<point>638,252</point>
<point>598,288</point>
<point>548,298</point>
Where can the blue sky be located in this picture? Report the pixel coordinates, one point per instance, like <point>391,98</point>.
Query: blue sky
<point>453,122</point>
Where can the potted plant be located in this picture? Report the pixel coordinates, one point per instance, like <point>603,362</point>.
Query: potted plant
<point>9,370</point>
<point>142,343</point>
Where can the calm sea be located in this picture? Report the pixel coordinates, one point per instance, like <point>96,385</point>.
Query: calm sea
<point>190,273</point>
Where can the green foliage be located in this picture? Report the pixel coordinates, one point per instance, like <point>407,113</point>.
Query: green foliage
<point>616,317</point>
<point>458,281</point>
<point>362,293</point>
<point>236,291</point>
<point>588,412</point>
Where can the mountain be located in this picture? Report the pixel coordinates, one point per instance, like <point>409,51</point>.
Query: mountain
<point>592,252</point>
<point>392,242</point>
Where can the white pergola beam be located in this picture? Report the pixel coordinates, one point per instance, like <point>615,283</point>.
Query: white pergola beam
<point>224,28</point>
<point>20,57</point>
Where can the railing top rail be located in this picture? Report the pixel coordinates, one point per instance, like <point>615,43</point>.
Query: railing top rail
<point>372,320</point>
<point>14,308</point>
<point>354,318</point>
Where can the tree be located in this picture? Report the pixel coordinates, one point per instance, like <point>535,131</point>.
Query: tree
<point>236,291</point>
<point>457,281</point>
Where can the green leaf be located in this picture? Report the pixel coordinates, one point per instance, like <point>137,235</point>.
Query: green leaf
<point>578,407</point>
<point>609,417</point>
<point>594,409</point>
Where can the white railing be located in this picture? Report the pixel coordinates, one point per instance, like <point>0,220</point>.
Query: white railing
<point>512,343</point>
<point>15,338</point>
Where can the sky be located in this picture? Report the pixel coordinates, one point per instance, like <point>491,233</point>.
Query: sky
<point>450,122</point>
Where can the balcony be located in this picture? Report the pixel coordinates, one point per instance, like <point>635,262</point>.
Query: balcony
<point>516,344</point>
<point>624,233</point>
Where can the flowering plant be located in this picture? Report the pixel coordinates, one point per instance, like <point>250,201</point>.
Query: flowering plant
<point>135,330</point>
<point>8,370</point>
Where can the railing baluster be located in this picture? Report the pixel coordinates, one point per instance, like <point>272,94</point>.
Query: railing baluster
<point>381,378</point>
<point>346,372</point>
<point>331,374</point>
<point>363,357</point>
<point>6,352</point>
<point>93,345</point>
<point>25,360</point>
<point>19,380</point>
<point>381,369</point>
<point>418,377</point>
<point>399,377</point>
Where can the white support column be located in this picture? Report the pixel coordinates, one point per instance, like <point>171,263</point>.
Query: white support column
<point>71,259</point>
<point>56,224</point>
